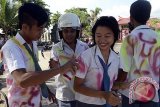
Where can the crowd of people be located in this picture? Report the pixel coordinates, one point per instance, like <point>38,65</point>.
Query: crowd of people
<point>86,74</point>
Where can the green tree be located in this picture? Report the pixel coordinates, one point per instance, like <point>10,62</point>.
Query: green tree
<point>8,13</point>
<point>153,22</point>
<point>94,15</point>
<point>55,17</point>
<point>84,18</point>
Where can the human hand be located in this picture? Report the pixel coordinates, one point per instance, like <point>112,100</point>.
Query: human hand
<point>111,98</point>
<point>71,65</point>
<point>53,63</point>
<point>51,97</point>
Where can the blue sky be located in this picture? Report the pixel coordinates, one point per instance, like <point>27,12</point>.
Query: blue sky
<point>109,7</point>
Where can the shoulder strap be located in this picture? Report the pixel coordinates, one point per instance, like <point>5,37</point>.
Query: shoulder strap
<point>23,48</point>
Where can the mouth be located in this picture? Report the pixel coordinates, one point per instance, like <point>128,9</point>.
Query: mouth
<point>103,44</point>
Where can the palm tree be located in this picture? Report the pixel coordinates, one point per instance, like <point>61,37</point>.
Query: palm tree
<point>55,17</point>
<point>94,15</point>
<point>8,19</point>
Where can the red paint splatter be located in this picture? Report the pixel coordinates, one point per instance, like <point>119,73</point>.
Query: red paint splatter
<point>99,80</point>
<point>81,65</point>
<point>35,91</point>
<point>9,81</point>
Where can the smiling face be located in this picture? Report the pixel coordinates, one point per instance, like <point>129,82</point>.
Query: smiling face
<point>104,37</point>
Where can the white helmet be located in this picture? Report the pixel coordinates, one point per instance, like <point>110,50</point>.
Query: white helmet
<point>69,20</point>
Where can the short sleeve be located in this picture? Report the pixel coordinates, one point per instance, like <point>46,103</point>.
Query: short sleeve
<point>126,54</point>
<point>82,71</point>
<point>13,58</point>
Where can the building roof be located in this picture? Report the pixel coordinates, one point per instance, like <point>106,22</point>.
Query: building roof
<point>123,21</point>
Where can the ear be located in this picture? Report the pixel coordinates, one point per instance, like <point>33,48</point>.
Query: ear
<point>25,27</point>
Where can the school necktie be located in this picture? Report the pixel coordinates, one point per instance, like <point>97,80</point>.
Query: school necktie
<point>43,86</point>
<point>106,79</point>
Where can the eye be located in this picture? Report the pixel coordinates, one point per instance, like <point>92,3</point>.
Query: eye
<point>97,35</point>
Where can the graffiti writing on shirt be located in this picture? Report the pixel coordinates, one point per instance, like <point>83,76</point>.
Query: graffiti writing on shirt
<point>33,94</point>
<point>150,56</point>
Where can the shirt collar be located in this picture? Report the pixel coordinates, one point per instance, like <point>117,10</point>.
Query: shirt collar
<point>142,27</point>
<point>20,39</point>
<point>63,44</point>
<point>112,54</point>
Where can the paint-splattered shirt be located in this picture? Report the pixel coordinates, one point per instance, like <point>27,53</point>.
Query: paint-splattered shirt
<point>15,58</point>
<point>140,55</point>
<point>91,71</point>
<point>62,53</point>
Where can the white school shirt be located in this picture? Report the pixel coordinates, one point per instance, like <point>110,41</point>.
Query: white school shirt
<point>91,71</point>
<point>62,52</point>
<point>15,58</point>
<point>139,56</point>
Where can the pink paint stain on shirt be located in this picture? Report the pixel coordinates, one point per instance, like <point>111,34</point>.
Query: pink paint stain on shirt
<point>81,65</point>
<point>99,80</point>
<point>154,65</point>
<point>9,81</point>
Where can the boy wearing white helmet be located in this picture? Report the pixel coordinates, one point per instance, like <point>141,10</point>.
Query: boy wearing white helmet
<point>68,47</point>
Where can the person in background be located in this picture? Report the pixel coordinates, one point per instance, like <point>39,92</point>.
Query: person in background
<point>140,57</point>
<point>98,67</point>
<point>25,79</point>
<point>69,46</point>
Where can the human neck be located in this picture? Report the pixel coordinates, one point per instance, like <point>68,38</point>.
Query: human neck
<point>25,37</point>
<point>138,24</point>
<point>72,45</point>
<point>105,54</point>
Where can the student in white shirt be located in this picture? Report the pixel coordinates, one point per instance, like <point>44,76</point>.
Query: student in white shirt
<point>93,82</point>
<point>139,57</point>
<point>25,81</point>
<point>68,47</point>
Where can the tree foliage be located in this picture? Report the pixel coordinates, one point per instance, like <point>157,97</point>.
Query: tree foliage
<point>55,17</point>
<point>94,15</point>
<point>8,13</point>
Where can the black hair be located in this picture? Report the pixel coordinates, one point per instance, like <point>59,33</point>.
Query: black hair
<point>30,13</point>
<point>107,21</point>
<point>140,10</point>
<point>61,35</point>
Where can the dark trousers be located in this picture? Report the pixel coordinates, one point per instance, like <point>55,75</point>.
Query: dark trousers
<point>80,104</point>
<point>125,103</point>
<point>66,103</point>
